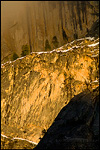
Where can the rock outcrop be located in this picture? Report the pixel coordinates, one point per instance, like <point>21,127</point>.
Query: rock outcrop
<point>36,87</point>
<point>57,22</point>
<point>16,143</point>
<point>76,126</point>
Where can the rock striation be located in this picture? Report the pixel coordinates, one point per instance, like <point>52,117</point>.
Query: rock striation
<point>56,21</point>
<point>36,87</point>
<point>76,126</point>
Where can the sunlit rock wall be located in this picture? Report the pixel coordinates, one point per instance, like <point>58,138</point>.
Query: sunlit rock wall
<point>36,87</point>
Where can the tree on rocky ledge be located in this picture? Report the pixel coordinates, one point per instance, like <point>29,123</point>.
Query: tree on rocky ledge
<point>25,50</point>
<point>55,42</point>
<point>15,56</point>
<point>47,45</point>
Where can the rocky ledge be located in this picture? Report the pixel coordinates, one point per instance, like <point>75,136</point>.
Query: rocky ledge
<point>16,143</point>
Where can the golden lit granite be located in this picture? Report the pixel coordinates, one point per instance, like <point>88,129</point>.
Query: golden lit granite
<point>36,87</point>
<point>16,143</point>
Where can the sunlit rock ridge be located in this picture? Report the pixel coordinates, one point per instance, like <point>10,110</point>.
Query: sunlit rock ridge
<point>36,87</point>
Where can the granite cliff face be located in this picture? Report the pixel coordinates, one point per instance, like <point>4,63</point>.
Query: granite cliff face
<point>58,22</point>
<point>36,87</point>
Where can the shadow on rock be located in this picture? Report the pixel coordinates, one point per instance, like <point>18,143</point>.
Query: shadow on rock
<point>77,124</point>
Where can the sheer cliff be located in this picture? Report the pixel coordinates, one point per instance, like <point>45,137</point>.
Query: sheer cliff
<point>36,87</point>
<point>45,25</point>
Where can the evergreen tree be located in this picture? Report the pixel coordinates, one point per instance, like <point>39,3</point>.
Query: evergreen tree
<point>47,45</point>
<point>55,42</point>
<point>15,56</point>
<point>25,50</point>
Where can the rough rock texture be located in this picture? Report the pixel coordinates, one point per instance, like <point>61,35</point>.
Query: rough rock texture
<point>76,126</point>
<point>38,21</point>
<point>36,87</point>
<point>94,30</point>
<point>9,143</point>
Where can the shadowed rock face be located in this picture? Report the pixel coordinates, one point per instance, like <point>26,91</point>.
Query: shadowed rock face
<point>43,20</point>
<point>35,88</point>
<point>77,124</point>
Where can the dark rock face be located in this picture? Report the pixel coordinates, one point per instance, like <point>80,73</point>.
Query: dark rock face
<point>77,124</point>
<point>94,30</point>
